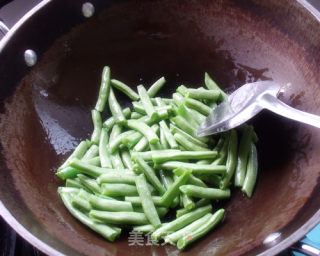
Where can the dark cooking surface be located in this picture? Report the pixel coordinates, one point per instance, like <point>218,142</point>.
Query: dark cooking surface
<point>50,103</point>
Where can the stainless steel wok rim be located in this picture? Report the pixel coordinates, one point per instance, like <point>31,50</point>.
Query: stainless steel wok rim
<point>45,248</point>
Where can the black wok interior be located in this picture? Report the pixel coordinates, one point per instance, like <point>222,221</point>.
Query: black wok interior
<point>45,111</point>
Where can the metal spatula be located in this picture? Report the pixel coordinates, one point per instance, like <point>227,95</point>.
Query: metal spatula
<point>246,102</point>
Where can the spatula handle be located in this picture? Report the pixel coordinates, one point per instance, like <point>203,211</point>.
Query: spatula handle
<point>277,106</point>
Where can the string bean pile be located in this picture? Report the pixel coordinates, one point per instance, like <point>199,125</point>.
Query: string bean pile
<point>142,162</point>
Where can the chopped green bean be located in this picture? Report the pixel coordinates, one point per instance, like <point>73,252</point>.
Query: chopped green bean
<point>116,189</point>
<point>116,160</point>
<point>197,169</point>
<point>198,106</point>
<point>173,191</point>
<point>187,202</point>
<point>116,109</point>
<point>104,89</point>
<point>244,148</point>
<point>126,159</point>
<point>153,90</point>
<point>97,125</point>
<point>211,85</point>
<point>103,150</point>
<point>80,203</point>
<point>110,122</point>
<point>148,228</point>
<point>192,179</point>
<point>136,200</point>
<point>109,205</point>
<point>169,137</point>
<point>103,229</point>
<point>231,159</point>
<point>146,102</point>
<point>175,236</point>
<point>79,151</point>
<point>125,89</point>
<point>150,174</point>
<point>115,143</point>
<point>91,184</point>
<point>144,129</point>
<point>117,177</point>
<point>203,94</point>
<point>162,156</point>
<point>146,201</point>
<point>210,193</point>
<point>200,203</point>
<point>120,218</point>
<point>202,230</point>
<point>180,222</point>
<point>252,170</point>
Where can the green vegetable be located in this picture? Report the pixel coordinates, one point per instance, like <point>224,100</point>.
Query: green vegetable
<point>125,89</point>
<point>147,202</point>
<point>116,189</point>
<point>210,193</point>
<point>97,124</point>
<point>252,171</point>
<point>104,89</point>
<point>153,90</point>
<point>120,218</point>
<point>116,109</point>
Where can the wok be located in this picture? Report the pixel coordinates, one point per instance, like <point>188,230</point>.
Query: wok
<point>45,110</point>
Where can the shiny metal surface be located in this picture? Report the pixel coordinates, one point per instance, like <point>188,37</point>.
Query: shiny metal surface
<point>246,102</point>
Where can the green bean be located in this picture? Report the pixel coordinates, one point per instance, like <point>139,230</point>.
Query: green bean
<point>178,99</point>
<point>200,145</point>
<point>115,132</point>
<point>117,189</point>
<point>115,143</point>
<point>136,200</point>
<point>131,140</point>
<point>192,179</point>
<point>125,89</point>
<point>188,115</point>
<point>110,122</point>
<point>81,204</point>
<point>203,94</point>
<point>187,202</point>
<point>116,160</point>
<point>91,184</point>
<point>126,159</point>
<point>148,228</point>
<point>104,89</point>
<point>204,161</point>
<point>139,108</point>
<point>167,101</point>
<point>162,156</point>
<point>202,230</point>
<point>162,211</point>
<point>173,191</point>
<point>200,203</point>
<point>180,222</point>
<point>92,152</point>
<point>144,129</point>
<point>97,125</point>
<point>210,193</point>
<point>169,137</point>
<point>71,190</point>
<point>146,156</point>
<point>67,173</point>
<point>103,229</point>
<point>212,179</point>
<point>211,85</point>
<point>109,205</point>
<point>220,144</point>
<point>252,170</point>
<point>146,201</point>
<point>88,169</point>
<point>197,169</point>
<point>198,117</point>
<point>163,141</point>
<point>135,115</point>
<point>174,237</point>
<point>223,152</point>
<point>244,148</point>
<point>231,159</point>
<point>141,145</point>
<point>167,181</point>
<point>74,183</point>
<point>198,106</point>
<point>93,161</point>
<point>120,218</point>
<point>153,90</point>
<point>79,151</point>
<point>103,151</point>
<point>182,90</point>
<point>184,125</point>
<point>116,109</point>
<point>117,177</point>
<point>150,174</point>
<point>146,102</point>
